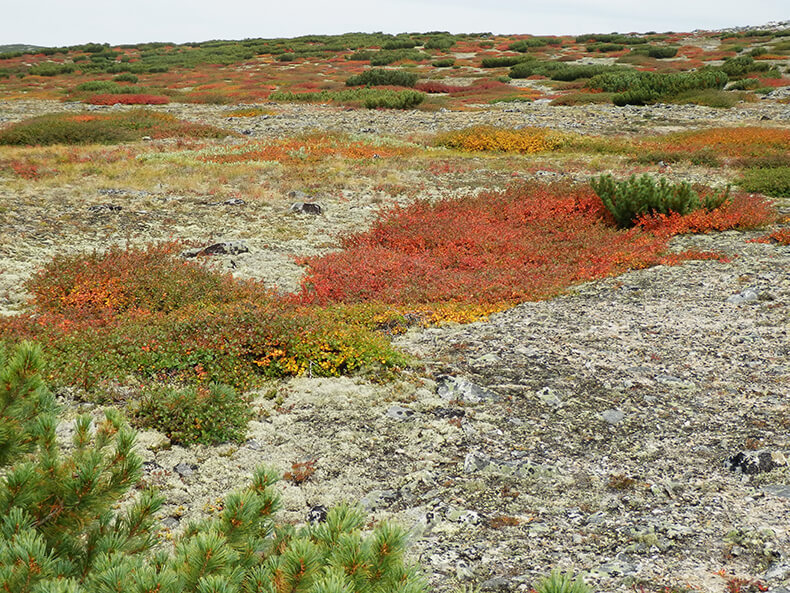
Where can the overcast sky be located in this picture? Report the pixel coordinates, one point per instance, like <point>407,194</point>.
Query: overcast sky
<point>70,22</point>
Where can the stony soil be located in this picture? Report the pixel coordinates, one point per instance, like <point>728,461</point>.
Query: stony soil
<point>598,432</point>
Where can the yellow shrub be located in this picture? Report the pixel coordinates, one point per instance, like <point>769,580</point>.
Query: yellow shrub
<point>490,138</point>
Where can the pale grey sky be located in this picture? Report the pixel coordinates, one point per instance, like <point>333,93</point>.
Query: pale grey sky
<point>61,22</point>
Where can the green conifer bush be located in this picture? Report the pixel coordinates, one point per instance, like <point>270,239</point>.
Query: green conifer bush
<point>637,196</point>
<point>62,532</point>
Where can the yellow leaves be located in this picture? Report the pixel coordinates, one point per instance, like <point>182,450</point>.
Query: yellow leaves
<point>490,138</point>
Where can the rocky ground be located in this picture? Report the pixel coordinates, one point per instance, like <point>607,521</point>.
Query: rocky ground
<point>634,430</point>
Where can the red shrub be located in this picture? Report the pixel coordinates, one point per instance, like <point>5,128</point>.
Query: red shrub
<point>110,99</point>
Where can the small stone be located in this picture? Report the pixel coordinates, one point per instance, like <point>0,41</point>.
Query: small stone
<point>317,514</point>
<point>549,397</point>
<point>224,248</point>
<point>756,462</point>
<point>185,469</point>
<point>171,522</point>
<point>306,208</point>
<point>147,139</point>
<point>780,490</point>
<point>462,389</point>
<point>449,412</point>
<point>748,295</point>
<point>475,462</point>
<point>400,413</point>
<point>497,584</point>
<point>379,499</point>
<point>234,202</point>
<point>105,208</point>
<point>613,416</point>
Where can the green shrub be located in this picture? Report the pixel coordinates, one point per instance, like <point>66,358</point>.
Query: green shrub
<point>399,43</point>
<point>105,128</point>
<point>380,76</point>
<point>61,529</point>
<point>628,200</point>
<point>388,56</point>
<point>530,43</point>
<point>662,52</point>
<point>605,47</point>
<point>773,181</point>
<point>561,70</point>
<point>126,77</point>
<point>286,57</point>
<point>367,97</point>
<point>444,43</point>
<point>504,61</point>
<point>50,69</point>
<point>443,63</point>
<point>635,87</point>
<point>558,582</point>
<point>710,98</point>
<point>207,415</point>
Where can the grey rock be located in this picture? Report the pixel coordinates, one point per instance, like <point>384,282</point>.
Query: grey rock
<point>233,202</point>
<point>779,490</point>
<point>306,208</point>
<point>223,248</point>
<point>379,499</point>
<point>497,584</point>
<point>480,462</point>
<point>105,208</point>
<point>756,462</point>
<point>400,413</point>
<point>317,514</point>
<point>613,416</point>
<point>748,295</point>
<point>777,572</point>
<point>549,397</point>
<point>185,469</point>
<point>462,389</point>
<point>171,522</point>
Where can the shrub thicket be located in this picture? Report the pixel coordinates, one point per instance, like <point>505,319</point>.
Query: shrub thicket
<point>61,529</point>
<point>634,87</point>
<point>104,128</point>
<point>366,97</point>
<point>771,181</point>
<point>383,77</point>
<point>636,197</point>
<point>561,70</point>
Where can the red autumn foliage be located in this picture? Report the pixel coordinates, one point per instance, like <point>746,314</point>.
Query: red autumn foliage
<point>141,99</point>
<point>530,242</point>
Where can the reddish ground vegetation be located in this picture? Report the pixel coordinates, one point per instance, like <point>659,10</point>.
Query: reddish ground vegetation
<point>141,99</point>
<point>530,242</point>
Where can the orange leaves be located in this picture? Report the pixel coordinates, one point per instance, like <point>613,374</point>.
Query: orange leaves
<point>311,148</point>
<point>743,141</point>
<point>141,99</point>
<point>489,138</point>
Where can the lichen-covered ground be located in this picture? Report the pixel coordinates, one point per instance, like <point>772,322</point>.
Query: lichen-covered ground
<point>592,432</point>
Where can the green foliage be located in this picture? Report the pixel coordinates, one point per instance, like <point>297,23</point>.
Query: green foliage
<point>443,42</point>
<point>710,97</point>
<point>558,582</point>
<point>635,197</point>
<point>367,97</point>
<point>50,69</point>
<point>286,57</point>
<point>144,313</point>
<point>771,181</point>
<point>126,77</point>
<point>742,65</point>
<point>443,63</point>
<point>605,47</point>
<point>561,70</point>
<point>207,415</point>
<point>61,531</point>
<point>400,42</point>
<point>504,61</point>
<point>381,76</point>
<point>635,87</point>
<point>384,57</point>
<point>660,52</point>
<point>106,128</point>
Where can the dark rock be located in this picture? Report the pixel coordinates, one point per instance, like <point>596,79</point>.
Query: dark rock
<point>317,514</point>
<point>756,462</point>
<point>449,413</point>
<point>105,208</point>
<point>306,208</point>
<point>151,466</point>
<point>185,469</point>
<point>253,444</point>
<point>224,248</point>
<point>248,132</point>
<point>498,584</point>
<point>764,118</point>
<point>233,202</point>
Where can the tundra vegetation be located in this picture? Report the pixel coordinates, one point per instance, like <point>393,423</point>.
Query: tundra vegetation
<point>188,341</point>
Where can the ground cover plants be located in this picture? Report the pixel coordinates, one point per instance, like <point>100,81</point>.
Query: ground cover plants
<point>475,202</point>
<point>61,530</point>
